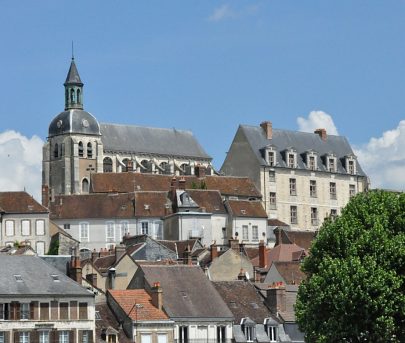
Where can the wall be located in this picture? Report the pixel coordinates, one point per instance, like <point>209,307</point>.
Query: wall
<point>227,266</point>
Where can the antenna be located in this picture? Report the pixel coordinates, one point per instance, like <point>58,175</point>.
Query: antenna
<point>73,55</point>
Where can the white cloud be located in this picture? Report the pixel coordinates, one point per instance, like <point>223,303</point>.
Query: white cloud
<point>221,13</point>
<point>21,163</point>
<point>317,120</point>
<point>383,158</point>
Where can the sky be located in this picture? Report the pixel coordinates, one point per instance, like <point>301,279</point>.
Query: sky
<point>207,66</point>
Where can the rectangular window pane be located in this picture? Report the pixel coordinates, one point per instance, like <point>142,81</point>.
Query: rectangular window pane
<point>146,338</point>
<point>352,190</point>
<point>25,228</point>
<point>255,233</point>
<point>291,160</point>
<point>312,188</point>
<point>272,175</point>
<point>272,201</point>
<point>293,187</point>
<point>24,337</point>
<point>63,336</point>
<point>162,338</point>
<point>84,232</point>
<point>44,337</point>
<point>9,228</point>
<point>293,214</point>
<point>311,163</point>
<point>332,190</point>
<point>40,248</point>
<point>2,337</point>
<point>124,229</point>
<point>40,227</point>
<point>245,233</point>
<point>25,311</point>
<point>145,228</point>
<point>271,158</point>
<point>331,162</point>
<point>314,216</point>
<point>110,232</point>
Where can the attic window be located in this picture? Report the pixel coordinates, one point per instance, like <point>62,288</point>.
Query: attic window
<point>55,278</point>
<point>97,315</point>
<point>30,207</point>
<point>18,278</point>
<point>243,211</point>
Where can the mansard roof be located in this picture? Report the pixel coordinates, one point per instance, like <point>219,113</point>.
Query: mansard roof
<point>150,140</point>
<point>302,142</point>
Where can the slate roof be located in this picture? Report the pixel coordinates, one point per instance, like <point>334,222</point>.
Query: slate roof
<point>243,300</point>
<point>92,206</point>
<point>187,292</point>
<point>150,140</point>
<point>20,202</point>
<point>128,298</point>
<point>276,222</point>
<point>74,121</point>
<point>128,182</point>
<point>245,208</point>
<point>73,75</point>
<point>107,319</point>
<point>302,142</point>
<point>180,246</point>
<point>37,280</point>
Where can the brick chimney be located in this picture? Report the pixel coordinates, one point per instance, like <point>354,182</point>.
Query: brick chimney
<point>262,255</point>
<point>321,133</point>
<point>187,256</point>
<point>276,297</point>
<point>157,295</point>
<point>268,129</point>
<point>173,188</point>
<point>200,171</point>
<point>45,196</point>
<point>75,268</point>
<point>214,251</point>
<point>182,183</point>
<point>92,278</point>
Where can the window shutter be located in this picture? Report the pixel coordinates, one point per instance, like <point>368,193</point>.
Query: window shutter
<point>34,310</point>
<point>80,340</point>
<point>53,336</point>
<point>72,336</point>
<point>73,310</point>
<point>16,337</point>
<point>90,335</point>
<point>54,310</point>
<point>34,336</point>
<point>1,311</point>
<point>17,311</point>
<point>6,337</point>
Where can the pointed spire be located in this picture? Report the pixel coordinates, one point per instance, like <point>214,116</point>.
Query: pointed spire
<point>73,75</point>
<point>73,88</point>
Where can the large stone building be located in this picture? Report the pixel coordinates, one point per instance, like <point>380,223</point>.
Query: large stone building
<point>78,146</point>
<point>303,177</point>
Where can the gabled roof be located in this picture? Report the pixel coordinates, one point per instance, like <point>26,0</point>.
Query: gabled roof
<point>179,247</point>
<point>151,140</point>
<point>126,299</point>
<point>243,300</point>
<point>248,209</point>
<point>20,202</point>
<point>211,201</point>
<point>302,142</point>
<point>187,292</point>
<point>36,278</point>
<point>108,321</point>
<point>301,238</point>
<point>290,271</point>
<point>93,206</point>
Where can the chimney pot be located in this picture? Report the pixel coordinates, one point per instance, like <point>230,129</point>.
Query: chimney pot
<point>157,295</point>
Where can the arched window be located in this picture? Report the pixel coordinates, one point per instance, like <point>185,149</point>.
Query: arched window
<point>126,165</point>
<point>89,150</point>
<point>165,168</point>
<point>107,165</point>
<point>145,166</point>
<point>78,96</point>
<point>85,186</point>
<point>81,149</point>
<point>56,151</point>
<point>184,169</point>
<point>72,95</point>
<point>66,96</point>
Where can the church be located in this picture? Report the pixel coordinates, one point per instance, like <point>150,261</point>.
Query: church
<point>78,145</point>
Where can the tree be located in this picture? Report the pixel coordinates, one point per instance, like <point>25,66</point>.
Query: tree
<point>355,286</point>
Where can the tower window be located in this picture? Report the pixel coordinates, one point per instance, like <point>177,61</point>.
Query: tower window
<point>89,150</point>
<point>81,153</point>
<point>56,151</point>
<point>85,186</point>
<point>107,165</point>
<point>72,95</point>
<point>78,96</point>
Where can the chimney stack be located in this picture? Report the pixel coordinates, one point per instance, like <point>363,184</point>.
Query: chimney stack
<point>119,251</point>
<point>75,268</point>
<point>268,129</point>
<point>187,256</point>
<point>321,133</point>
<point>94,255</point>
<point>276,297</point>
<point>234,244</point>
<point>214,251</point>
<point>157,296</point>
<point>262,255</point>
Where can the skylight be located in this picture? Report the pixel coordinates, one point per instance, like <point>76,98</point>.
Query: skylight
<point>55,277</point>
<point>18,278</point>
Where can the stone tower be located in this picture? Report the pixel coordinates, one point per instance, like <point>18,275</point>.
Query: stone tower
<point>73,149</point>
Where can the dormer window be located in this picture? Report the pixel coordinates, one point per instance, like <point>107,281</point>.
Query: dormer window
<point>331,163</point>
<point>311,160</point>
<point>291,158</point>
<point>270,155</point>
<point>271,158</point>
<point>248,328</point>
<point>351,164</point>
<point>271,327</point>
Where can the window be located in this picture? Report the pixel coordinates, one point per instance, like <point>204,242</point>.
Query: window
<point>107,165</point>
<point>66,226</point>
<point>78,96</point>
<point>112,338</point>
<point>249,331</point>
<point>272,176</point>
<point>40,227</point>
<point>293,187</point>
<point>84,232</point>
<point>85,186</point>
<point>85,337</point>
<point>183,334</point>
<point>158,230</point>
<point>314,216</point>
<point>144,228</point>
<point>245,233</point>
<point>271,158</point>
<point>311,163</point>
<point>63,310</point>
<point>291,160</point>
<point>271,332</point>
<point>350,168</point>
<point>64,336</point>
<point>25,227</point>
<point>44,311</point>
<point>255,233</point>
<point>43,336</point>
<point>2,337</point>
<point>332,190</point>
<point>24,311</point>
<point>109,232</point>
<point>333,213</point>
<point>24,337</point>
<point>273,201</point>
<point>312,188</point>
<point>221,334</point>
<point>144,166</point>
<point>124,228</point>
<point>89,150</point>
<point>83,311</point>
<point>293,215</point>
<point>9,227</point>
<point>161,338</point>
<point>81,153</point>
<point>56,151</point>
<point>352,190</point>
<point>331,164</point>
<point>146,338</point>
<point>40,247</point>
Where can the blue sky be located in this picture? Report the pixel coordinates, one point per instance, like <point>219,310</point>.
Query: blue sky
<point>208,66</point>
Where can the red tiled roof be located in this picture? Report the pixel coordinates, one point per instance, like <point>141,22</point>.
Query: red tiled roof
<point>244,208</point>
<point>20,202</point>
<point>276,222</point>
<point>152,204</point>
<point>210,200</point>
<point>290,271</point>
<point>128,298</point>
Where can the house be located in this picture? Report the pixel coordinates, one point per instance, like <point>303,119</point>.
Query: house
<point>190,301</point>
<point>38,303</point>
<point>253,320</point>
<point>141,315</point>
<point>303,177</point>
<point>108,328</point>
<point>78,146</point>
<point>143,247</point>
<point>286,272</point>
<point>62,243</point>
<point>23,219</point>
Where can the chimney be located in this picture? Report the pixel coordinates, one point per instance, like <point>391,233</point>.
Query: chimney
<point>45,196</point>
<point>157,296</point>
<point>173,187</point>
<point>214,251</point>
<point>111,277</point>
<point>276,297</point>
<point>187,256</point>
<point>182,183</point>
<point>92,278</point>
<point>278,233</point>
<point>119,251</point>
<point>321,133</point>
<point>94,255</point>
<point>234,244</point>
<point>200,171</point>
<point>268,129</point>
<point>262,255</point>
<point>75,268</point>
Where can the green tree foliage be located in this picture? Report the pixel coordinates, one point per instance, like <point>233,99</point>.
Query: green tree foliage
<point>355,287</point>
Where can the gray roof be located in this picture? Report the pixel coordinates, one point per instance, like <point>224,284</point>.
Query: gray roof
<point>36,279</point>
<point>148,140</point>
<point>302,142</point>
<point>73,75</point>
<point>187,292</point>
<point>74,121</point>
<point>57,261</point>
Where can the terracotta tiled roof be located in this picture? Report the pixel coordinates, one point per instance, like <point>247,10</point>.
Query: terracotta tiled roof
<point>128,298</point>
<point>244,208</point>
<point>290,271</point>
<point>276,222</point>
<point>129,182</point>
<point>301,238</point>
<point>179,246</point>
<point>93,206</point>
<point>210,200</point>
<point>20,202</point>
<point>104,263</point>
<point>152,204</point>
<point>107,319</point>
